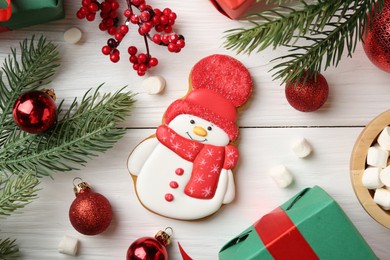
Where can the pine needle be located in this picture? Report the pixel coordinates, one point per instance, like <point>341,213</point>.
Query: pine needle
<point>328,27</point>
<point>8,249</point>
<point>16,191</point>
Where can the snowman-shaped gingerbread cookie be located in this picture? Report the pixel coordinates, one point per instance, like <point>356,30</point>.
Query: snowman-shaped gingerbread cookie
<point>184,171</point>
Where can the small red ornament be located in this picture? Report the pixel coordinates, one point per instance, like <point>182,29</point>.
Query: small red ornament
<point>35,111</point>
<point>309,95</point>
<point>149,248</point>
<point>91,212</point>
<point>376,42</point>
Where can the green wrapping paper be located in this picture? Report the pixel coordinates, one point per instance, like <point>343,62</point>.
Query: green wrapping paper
<point>311,225</point>
<point>30,12</point>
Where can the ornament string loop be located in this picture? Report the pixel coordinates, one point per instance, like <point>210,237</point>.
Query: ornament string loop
<point>82,185</point>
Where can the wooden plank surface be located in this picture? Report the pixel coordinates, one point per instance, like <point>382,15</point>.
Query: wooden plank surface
<point>358,93</point>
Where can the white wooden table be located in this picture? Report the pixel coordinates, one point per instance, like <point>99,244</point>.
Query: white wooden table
<point>358,93</point>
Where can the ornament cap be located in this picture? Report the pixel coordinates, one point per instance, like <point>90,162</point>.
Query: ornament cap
<point>82,185</point>
<point>164,237</point>
<point>50,92</point>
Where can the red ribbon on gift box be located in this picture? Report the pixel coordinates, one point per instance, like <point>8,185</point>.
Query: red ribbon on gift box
<point>6,13</point>
<point>282,238</point>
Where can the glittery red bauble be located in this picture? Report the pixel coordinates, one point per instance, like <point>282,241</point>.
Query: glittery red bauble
<point>376,42</point>
<point>307,96</point>
<point>90,213</point>
<point>35,112</point>
<point>147,248</point>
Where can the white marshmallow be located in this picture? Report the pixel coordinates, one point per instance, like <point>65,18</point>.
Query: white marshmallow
<point>72,35</point>
<point>371,178</point>
<point>382,197</point>
<point>281,175</point>
<point>301,148</point>
<point>377,157</point>
<point>68,245</point>
<point>384,138</point>
<point>385,176</point>
<point>154,84</point>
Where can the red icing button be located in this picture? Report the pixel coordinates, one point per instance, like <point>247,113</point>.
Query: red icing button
<point>179,171</point>
<point>173,184</point>
<point>169,197</point>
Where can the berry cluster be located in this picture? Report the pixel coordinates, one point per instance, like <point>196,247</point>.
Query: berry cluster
<point>147,18</point>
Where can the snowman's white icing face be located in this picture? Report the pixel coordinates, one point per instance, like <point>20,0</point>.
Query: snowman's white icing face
<point>198,129</point>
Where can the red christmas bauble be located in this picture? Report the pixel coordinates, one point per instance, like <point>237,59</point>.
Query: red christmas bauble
<point>35,112</point>
<point>147,248</point>
<point>376,42</point>
<point>91,212</point>
<point>309,95</point>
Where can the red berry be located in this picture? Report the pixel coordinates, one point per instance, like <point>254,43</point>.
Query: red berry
<point>114,5</point>
<point>167,11</point>
<point>172,16</point>
<point>90,17</point>
<point>133,59</point>
<point>145,16</point>
<point>181,43</point>
<point>164,19</point>
<point>165,39</point>
<point>114,57</point>
<point>93,7</point>
<point>135,66</point>
<point>106,50</point>
<point>113,14</point>
<point>105,7</point>
<point>156,38</point>
<point>136,2</point>
<point>157,12</point>
<point>142,58</point>
<point>142,67</point>
<point>127,13</point>
<point>172,47</point>
<point>159,28</point>
<point>111,30</point>
<point>168,29</point>
<point>124,29</point>
<point>140,73</point>
<point>119,36</point>
<point>85,3</point>
<point>80,15</point>
<point>84,10</point>
<point>109,22</point>
<point>153,62</point>
<point>173,38</point>
<point>134,19</point>
<point>132,50</point>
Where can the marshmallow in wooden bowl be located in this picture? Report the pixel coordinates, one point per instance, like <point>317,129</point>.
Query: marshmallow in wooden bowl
<point>371,149</point>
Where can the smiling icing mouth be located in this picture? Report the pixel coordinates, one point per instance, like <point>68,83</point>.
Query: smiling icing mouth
<point>200,141</point>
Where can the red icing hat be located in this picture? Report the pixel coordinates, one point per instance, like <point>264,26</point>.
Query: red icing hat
<point>220,84</point>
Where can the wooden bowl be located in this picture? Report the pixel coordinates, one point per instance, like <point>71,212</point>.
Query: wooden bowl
<point>358,164</point>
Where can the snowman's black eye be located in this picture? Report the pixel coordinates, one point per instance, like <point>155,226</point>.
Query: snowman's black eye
<point>209,128</point>
<point>192,121</point>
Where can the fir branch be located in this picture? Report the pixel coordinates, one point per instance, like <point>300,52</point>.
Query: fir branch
<point>29,70</point>
<point>8,249</point>
<point>328,26</point>
<point>16,191</point>
<point>85,130</point>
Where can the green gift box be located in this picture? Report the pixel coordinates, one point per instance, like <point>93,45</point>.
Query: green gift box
<point>30,12</point>
<point>311,225</point>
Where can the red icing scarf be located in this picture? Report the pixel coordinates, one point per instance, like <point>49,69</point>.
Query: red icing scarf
<point>208,161</point>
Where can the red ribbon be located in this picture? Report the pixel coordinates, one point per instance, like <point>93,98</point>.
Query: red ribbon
<point>5,13</point>
<point>282,238</point>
